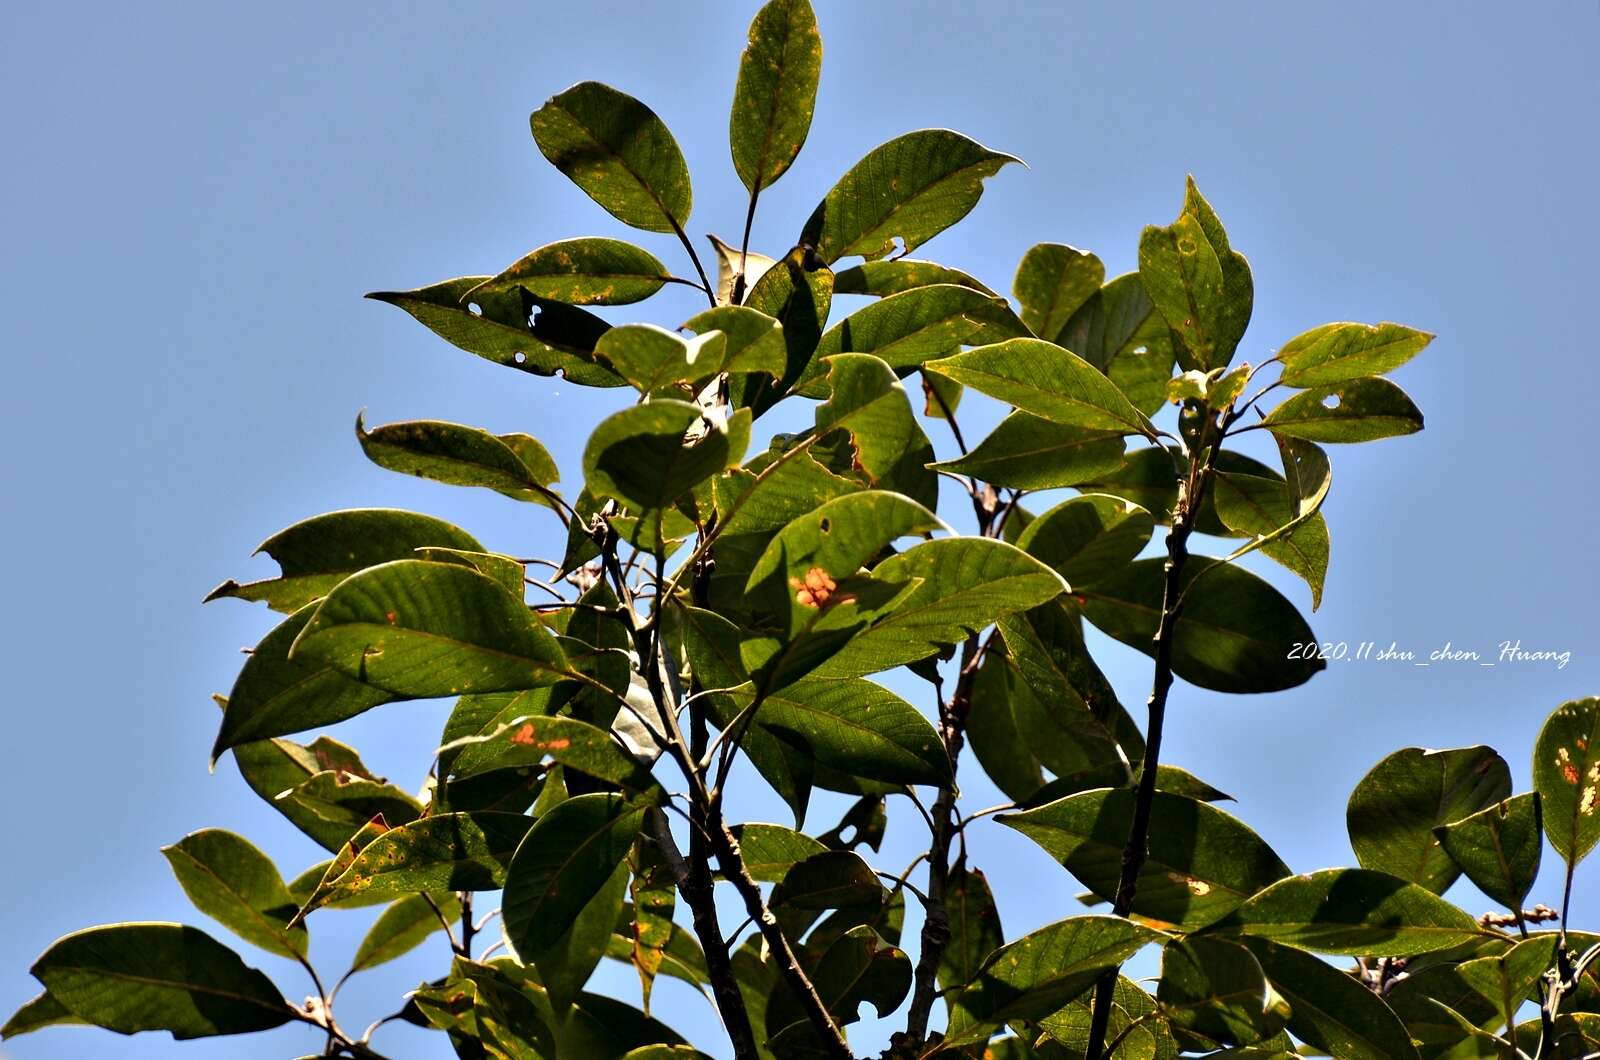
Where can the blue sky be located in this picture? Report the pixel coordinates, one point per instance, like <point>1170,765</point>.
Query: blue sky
<point>195,197</point>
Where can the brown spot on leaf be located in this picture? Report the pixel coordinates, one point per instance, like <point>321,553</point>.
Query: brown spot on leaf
<point>392,617</point>
<point>524,735</point>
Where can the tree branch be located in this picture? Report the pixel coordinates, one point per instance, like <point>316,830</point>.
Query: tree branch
<point>1137,849</point>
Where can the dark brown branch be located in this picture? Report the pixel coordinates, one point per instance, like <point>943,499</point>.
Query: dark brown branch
<point>1137,849</point>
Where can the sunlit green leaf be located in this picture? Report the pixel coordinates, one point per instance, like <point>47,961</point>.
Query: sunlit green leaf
<point>1084,538</point>
<point>1566,774</point>
<point>776,91</point>
<point>320,552</point>
<point>38,1013</point>
<point>1358,410</point>
<point>1352,911</point>
<point>893,275</point>
<point>1053,282</point>
<point>527,740</point>
<point>869,402</point>
<point>1330,1009</point>
<point>1041,378</point>
<point>589,271</point>
<point>431,629</point>
<point>1198,282</point>
<point>1027,452</point>
<point>515,465</point>
<point>1334,353</point>
<point>909,189</point>
<point>1216,991</point>
<point>643,456</point>
<point>618,151</point>
<point>232,882</point>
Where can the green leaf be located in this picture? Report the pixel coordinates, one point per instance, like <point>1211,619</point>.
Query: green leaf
<point>505,571</point>
<point>1566,774</point>
<point>1083,538</point>
<point>859,966</point>
<point>1216,991</point>
<point>1499,847</point>
<point>443,852</point>
<point>911,188</point>
<point>643,457</point>
<point>159,977</point>
<point>869,402</point>
<point>1136,1030</point>
<point>1236,633</point>
<point>402,927</point>
<point>514,464</point>
<point>1042,971</point>
<point>906,329</point>
<point>1119,332</point>
<point>834,879</point>
<point>857,727</point>
<point>1508,979</point>
<point>974,923</point>
<point>1043,379</point>
<point>1353,911</point>
<point>754,341</point>
<point>275,695</point>
<point>776,92</point>
<point>1359,410</point>
<point>1198,282</point>
<point>1026,452</point>
<point>41,1012</point>
<point>337,796</point>
<point>590,271</point>
<point>559,339</point>
<point>491,1011</point>
<point>1331,1010</point>
<point>964,585</point>
<point>1335,353</point>
<point>1396,807</point>
<point>238,886</point>
<point>274,768</point>
<point>527,740</point>
<point>652,357</point>
<point>1053,282</point>
<point>431,629</point>
<point>993,733</point>
<point>1262,507</point>
<point>804,562</point>
<point>319,553</point>
<point>567,857</point>
<point>652,889</point>
<point>891,276</point>
<point>1203,862</point>
<point>769,851</point>
<point>618,151</point>
<point>799,298</point>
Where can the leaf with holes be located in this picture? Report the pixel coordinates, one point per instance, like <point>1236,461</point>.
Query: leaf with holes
<point>1360,410</point>
<point>512,328</point>
<point>1198,282</point>
<point>618,151</point>
<point>591,271</point>
<point>894,275</point>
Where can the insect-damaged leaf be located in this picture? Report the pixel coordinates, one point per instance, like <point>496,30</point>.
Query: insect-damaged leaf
<point>1359,410</point>
<point>431,629</point>
<point>1200,284</point>
<point>511,327</point>
<point>1566,774</point>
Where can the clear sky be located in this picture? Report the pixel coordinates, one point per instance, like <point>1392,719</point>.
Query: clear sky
<point>194,197</point>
